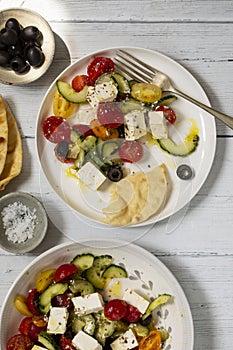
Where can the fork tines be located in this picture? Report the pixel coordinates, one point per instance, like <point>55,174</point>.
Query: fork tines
<point>133,67</point>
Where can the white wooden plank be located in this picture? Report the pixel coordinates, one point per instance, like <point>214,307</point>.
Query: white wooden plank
<point>128,10</point>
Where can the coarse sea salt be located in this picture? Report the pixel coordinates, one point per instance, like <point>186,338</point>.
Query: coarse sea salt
<point>19,222</point>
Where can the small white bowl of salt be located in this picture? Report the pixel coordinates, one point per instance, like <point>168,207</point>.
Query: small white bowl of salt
<point>23,222</point>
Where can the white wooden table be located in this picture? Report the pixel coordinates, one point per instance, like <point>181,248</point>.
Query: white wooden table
<point>197,244</point>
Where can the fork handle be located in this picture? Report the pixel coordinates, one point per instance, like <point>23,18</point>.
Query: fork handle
<point>223,117</point>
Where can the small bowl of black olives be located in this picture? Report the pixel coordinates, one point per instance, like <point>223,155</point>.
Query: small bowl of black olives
<point>27,46</point>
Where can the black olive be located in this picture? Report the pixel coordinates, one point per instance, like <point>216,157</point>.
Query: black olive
<point>8,37</point>
<point>62,149</point>
<point>19,65</point>
<point>121,130</point>
<point>4,59</point>
<point>147,321</point>
<point>114,173</point>
<point>35,56</point>
<point>2,46</point>
<point>32,33</point>
<point>12,23</point>
<point>16,50</point>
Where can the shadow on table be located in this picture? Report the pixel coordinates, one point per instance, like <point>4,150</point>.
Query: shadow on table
<point>53,238</point>
<point>62,59</point>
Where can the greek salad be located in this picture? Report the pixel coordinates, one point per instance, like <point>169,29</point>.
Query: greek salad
<point>102,119</point>
<point>76,306</point>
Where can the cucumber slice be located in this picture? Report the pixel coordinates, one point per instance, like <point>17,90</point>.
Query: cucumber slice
<point>78,163</point>
<point>114,271</point>
<point>81,286</point>
<point>162,299</point>
<point>104,328</point>
<point>83,261</point>
<point>93,275</point>
<point>47,340</point>
<point>166,100</point>
<point>86,322</point>
<point>130,105</point>
<point>141,331</point>
<point>75,136</point>
<point>70,94</point>
<point>88,143</point>
<point>105,78</point>
<point>181,149</point>
<point>122,82</point>
<point>163,334</point>
<point>77,324</point>
<point>102,261</point>
<point>118,79</point>
<point>49,293</point>
<point>108,148</point>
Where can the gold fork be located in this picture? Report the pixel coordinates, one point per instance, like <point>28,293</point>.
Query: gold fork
<point>135,69</point>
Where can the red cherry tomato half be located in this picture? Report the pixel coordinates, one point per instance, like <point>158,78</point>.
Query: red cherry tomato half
<point>168,113</point>
<point>110,115</point>
<point>99,66</point>
<point>131,151</point>
<point>32,301</point>
<point>19,342</point>
<point>115,309</point>
<point>83,130</point>
<point>25,325</point>
<point>65,343</point>
<point>132,314</point>
<point>79,82</point>
<point>28,327</point>
<point>64,271</point>
<point>56,129</point>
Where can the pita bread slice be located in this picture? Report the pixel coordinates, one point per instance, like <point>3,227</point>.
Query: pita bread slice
<point>13,163</point>
<point>3,134</point>
<point>137,197</point>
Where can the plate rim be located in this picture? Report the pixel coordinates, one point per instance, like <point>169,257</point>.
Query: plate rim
<point>135,248</point>
<point>204,99</point>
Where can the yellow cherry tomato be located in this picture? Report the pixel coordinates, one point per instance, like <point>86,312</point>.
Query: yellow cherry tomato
<point>44,279</point>
<point>21,306</point>
<point>150,342</point>
<point>62,107</point>
<point>102,132</point>
<point>146,92</point>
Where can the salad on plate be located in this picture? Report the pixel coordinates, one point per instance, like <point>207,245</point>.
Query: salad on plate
<point>89,303</point>
<point>103,124</point>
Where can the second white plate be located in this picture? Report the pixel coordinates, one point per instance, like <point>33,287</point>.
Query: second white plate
<point>148,275</point>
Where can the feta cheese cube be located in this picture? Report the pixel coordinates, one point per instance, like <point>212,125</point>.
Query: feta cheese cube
<point>87,304</point>
<point>105,92</point>
<point>91,176</point>
<point>85,114</point>
<point>57,320</point>
<point>83,341</point>
<point>158,125</point>
<point>134,125</point>
<point>136,300</point>
<point>37,347</point>
<point>126,341</point>
<point>92,97</point>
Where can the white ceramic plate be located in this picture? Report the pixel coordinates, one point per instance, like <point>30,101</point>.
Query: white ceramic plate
<point>90,204</point>
<point>149,275</point>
